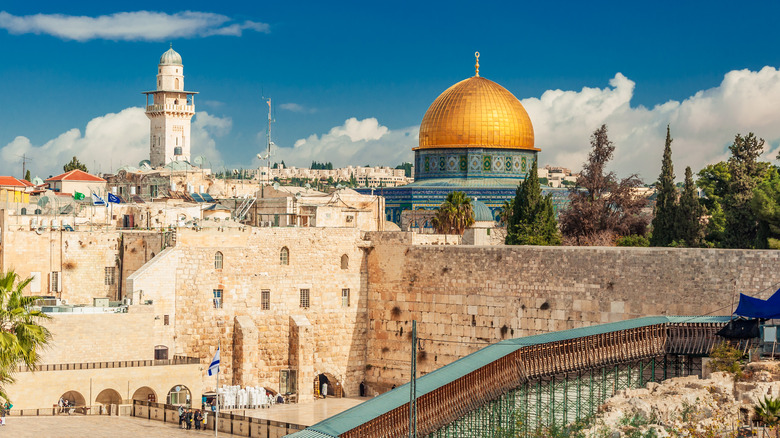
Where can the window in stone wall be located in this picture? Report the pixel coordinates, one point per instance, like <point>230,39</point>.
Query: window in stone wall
<point>166,319</point>
<point>110,275</point>
<point>287,380</point>
<point>305,298</point>
<point>55,282</point>
<point>284,256</point>
<point>161,352</point>
<point>218,260</point>
<point>265,299</point>
<point>344,297</point>
<point>217,298</point>
<point>345,262</point>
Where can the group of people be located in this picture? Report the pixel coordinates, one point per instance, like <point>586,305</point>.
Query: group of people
<point>4,409</point>
<point>188,417</point>
<point>64,405</point>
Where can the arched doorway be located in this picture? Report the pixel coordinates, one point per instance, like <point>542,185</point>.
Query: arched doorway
<point>109,397</point>
<point>74,398</point>
<point>334,388</point>
<point>145,393</point>
<point>179,395</point>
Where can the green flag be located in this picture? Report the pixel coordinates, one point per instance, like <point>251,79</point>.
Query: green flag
<point>78,196</point>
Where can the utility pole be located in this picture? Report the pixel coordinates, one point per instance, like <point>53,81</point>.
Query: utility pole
<point>25,159</point>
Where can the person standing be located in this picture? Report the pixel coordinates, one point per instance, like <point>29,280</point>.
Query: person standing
<point>60,405</point>
<point>188,419</point>
<point>4,411</point>
<point>2,415</point>
<point>198,419</point>
<point>181,417</point>
<point>325,390</point>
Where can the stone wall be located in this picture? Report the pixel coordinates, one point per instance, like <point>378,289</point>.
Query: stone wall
<point>78,338</point>
<point>471,296</point>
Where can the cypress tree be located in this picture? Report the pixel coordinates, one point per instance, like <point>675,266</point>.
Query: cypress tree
<point>690,226</point>
<point>533,219</point>
<point>665,229</point>
<point>741,230</point>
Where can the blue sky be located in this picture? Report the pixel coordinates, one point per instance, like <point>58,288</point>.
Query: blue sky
<point>351,80</point>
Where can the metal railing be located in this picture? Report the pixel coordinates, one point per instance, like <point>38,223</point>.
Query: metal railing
<point>177,360</point>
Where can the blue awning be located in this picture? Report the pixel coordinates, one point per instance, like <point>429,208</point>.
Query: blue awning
<point>750,307</point>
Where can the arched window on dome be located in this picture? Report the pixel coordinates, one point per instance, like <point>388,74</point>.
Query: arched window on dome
<point>344,261</point>
<point>284,256</point>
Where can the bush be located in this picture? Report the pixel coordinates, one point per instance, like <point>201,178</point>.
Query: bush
<point>632,240</point>
<point>727,358</point>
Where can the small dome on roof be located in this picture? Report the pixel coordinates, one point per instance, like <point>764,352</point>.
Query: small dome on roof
<point>482,212</point>
<point>171,57</point>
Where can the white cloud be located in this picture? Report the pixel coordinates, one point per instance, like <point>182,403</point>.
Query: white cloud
<point>356,142</point>
<point>137,25</point>
<point>297,108</point>
<point>703,125</point>
<point>108,142</point>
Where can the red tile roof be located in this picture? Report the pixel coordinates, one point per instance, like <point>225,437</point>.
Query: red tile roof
<point>76,175</point>
<point>10,181</point>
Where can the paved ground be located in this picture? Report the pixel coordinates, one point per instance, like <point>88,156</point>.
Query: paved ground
<point>78,426</point>
<point>304,413</point>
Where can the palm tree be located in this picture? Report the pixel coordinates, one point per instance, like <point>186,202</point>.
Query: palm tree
<point>768,412</point>
<point>21,335</point>
<point>506,213</point>
<point>454,215</point>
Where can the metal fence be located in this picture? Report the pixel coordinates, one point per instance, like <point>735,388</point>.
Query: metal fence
<point>177,360</point>
<point>231,423</point>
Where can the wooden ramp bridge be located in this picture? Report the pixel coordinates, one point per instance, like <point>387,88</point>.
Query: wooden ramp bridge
<point>514,387</point>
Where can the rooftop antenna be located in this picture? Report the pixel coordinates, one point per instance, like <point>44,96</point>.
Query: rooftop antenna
<point>267,155</point>
<point>25,159</point>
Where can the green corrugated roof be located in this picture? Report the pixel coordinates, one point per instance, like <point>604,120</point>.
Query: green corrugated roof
<point>370,409</point>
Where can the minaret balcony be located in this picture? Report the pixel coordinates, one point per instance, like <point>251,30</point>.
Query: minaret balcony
<point>172,108</point>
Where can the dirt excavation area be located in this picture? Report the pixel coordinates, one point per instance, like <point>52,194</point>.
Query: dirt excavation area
<point>692,407</point>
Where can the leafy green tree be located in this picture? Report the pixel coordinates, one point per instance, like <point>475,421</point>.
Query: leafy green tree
<point>601,206</point>
<point>352,180</point>
<point>633,240</point>
<point>714,181</point>
<point>741,230</point>
<point>74,164</point>
<point>533,219</point>
<point>28,175</point>
<point>21,335</point>
<point>766,207</point>
<point>454,215</point>
<point>665,229</point>
<point>689,226</point>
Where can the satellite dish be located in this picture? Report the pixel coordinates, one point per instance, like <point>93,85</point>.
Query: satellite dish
<point>43,201</point>
<point>298,195</point>
<point>339,186</point>
<point>276,186</point>
<point>308,186</point>
<point>145,164</point>
<point>37,181</point>
<point>199,160</point>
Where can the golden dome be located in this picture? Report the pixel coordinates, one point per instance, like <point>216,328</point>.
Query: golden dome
<point>476,112</point>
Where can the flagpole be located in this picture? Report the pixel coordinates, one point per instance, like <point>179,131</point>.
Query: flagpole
<point>216,392</point>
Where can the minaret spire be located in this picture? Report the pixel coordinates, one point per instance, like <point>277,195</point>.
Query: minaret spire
<point>476,66</point>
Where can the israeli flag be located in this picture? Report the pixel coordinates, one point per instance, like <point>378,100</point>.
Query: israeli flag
<point>214,367</point>
<point>114,198</point>
<point>97,200</point>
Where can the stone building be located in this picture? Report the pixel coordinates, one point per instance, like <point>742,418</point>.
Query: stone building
<point>170,110</point>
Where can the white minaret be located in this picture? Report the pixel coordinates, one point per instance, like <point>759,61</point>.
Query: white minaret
<point>170,110</point>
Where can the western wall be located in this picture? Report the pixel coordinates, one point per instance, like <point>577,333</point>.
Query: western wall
<point>468,296</point>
